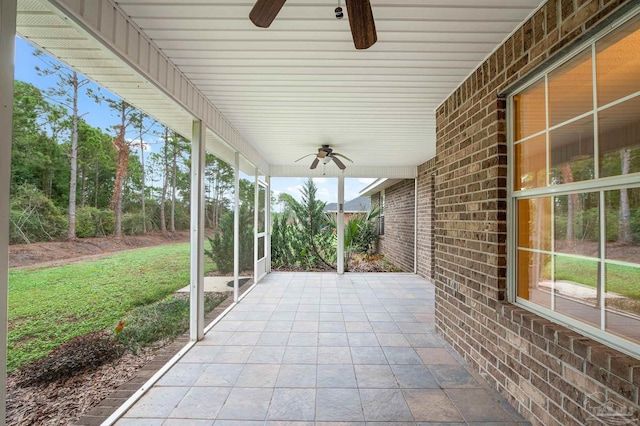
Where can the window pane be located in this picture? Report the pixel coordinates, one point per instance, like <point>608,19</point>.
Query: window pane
<point>572,152</point>
<point>571,89</point>
<point>534,223</point>
<point>262,207</point>
<point>619,138</point>
<point>534,277</point>
<point>260,248</point>
<point>529,111</point>
<point>576,288</point>
<point>623,301</point>
<point>531,163</point>
<point>618,64</point>
<point>576,224</point>
<point>623,225</point>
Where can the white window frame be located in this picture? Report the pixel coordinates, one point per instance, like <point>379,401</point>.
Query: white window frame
<point>596,185</point>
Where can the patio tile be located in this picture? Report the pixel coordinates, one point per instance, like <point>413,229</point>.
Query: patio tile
<point>187,422</point>
<point>358,327</point>
<point>182,374</point>
<point>292,404</point>
<point>385,327</point>
<point>330,307</point>
<point>336,376</point>
<point>362,339</point>
<point>266,355</point>
<point>227,325</point>
<point>349,308</point>
<point>216,338</point>
<point>285,313</point>
<point>244,338</point>
<point>258,316</point>
<point>392,339</point>
<point>431,405</point>
<point>300,355</point>
<point>384,405</point>
<point>368,355</point>
<point>201,354</point>
<point>157,402</point>
<point>332,339</point>
<point>334,355</point>
<point>425,340</point>
<point>354,316</point>
<point>139,422</point>
<point>303,339</point>
<point>375,376</point>
<point>401,355</point>
<point>402,316</point>
<point>432,356</point>
<point>238,423</point>
<point>246,404</point>
<point>201,403</point>
<point>252,326</point>
<point>338,405</point>
<point>483,409</point>
<point>296,376</point>
<point>453,376</point>
<point>379,316</point>
<point>307,316</point>
<point>271,338</point>
<point>331,317</point>
<point>280,326</point>
<point>414,376</point>
<point>232,354</point>
<point>332,327</point>
<point>219,375</point>
<point>305,326</point>
<point>258,376</point>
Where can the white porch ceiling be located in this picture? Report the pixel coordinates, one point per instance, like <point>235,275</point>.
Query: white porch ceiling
<point>301,83</point>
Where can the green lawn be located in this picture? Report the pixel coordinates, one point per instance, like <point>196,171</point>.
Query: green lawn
<point>624,280</point>
<point>47,307</point>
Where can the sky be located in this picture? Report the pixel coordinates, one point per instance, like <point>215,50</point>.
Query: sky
<point>100,116</point>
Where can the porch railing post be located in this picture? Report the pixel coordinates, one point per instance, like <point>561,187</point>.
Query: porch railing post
<point>7,42</point>
<point>340,223</point>
<point>198,158</point>
<point>236,227</point>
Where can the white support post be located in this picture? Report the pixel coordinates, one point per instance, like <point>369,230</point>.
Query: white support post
<point>256,213</point>
<point>198,157</point>
<point>340,223</point>
<point>415,227</point>
<point>236,227</point>
<point>7,45</point>
<point>267,229</point>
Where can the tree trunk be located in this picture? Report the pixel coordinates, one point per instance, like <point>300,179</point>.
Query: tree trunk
<point>165,182</point>
<point>73,183</point>
<point>624,219</point>
<point>96,187</point>
<point>121,173</point>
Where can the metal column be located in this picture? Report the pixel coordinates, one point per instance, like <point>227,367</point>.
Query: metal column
<point>7,45</point>
<point>198,158</point>
<point>340,224</point>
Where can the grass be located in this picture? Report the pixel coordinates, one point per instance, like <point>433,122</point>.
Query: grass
<point>48,307</point>
<point>624,280</point>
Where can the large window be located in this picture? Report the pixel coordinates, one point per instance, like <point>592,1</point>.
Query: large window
<point>575,190</point>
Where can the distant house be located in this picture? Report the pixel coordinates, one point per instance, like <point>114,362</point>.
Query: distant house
<point>355,206</point>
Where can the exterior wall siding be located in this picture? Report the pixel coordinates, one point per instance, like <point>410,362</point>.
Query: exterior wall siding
<point>397,244</point>
<point>546,371</point>
<point>426,215</point>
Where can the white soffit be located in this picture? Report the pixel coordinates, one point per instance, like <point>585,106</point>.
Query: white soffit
<point>301,83</point>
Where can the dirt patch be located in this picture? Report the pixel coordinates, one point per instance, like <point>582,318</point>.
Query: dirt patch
<point>58,253</point>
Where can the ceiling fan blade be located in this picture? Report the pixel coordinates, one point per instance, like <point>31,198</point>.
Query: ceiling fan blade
<point>363,27</point>
<point>343,156</point>
<point>265,11</point>
<point>308,155</point>
<point>339,163</point>
<point>315,163</point>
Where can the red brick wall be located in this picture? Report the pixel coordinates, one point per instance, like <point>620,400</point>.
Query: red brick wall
<point>398,241</point>
<point>545,370</point>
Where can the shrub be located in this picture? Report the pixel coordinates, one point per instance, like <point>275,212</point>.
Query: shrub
<point>34,217</point>
<point>80,354</point>
<point>221,251</point>
<point>92,222</point>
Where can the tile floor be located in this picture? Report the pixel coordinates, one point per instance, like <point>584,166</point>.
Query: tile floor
<point>311,348</point>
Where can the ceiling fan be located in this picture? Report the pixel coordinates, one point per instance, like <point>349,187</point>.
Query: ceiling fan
<point>363,27</point>
<point>326,154</point>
